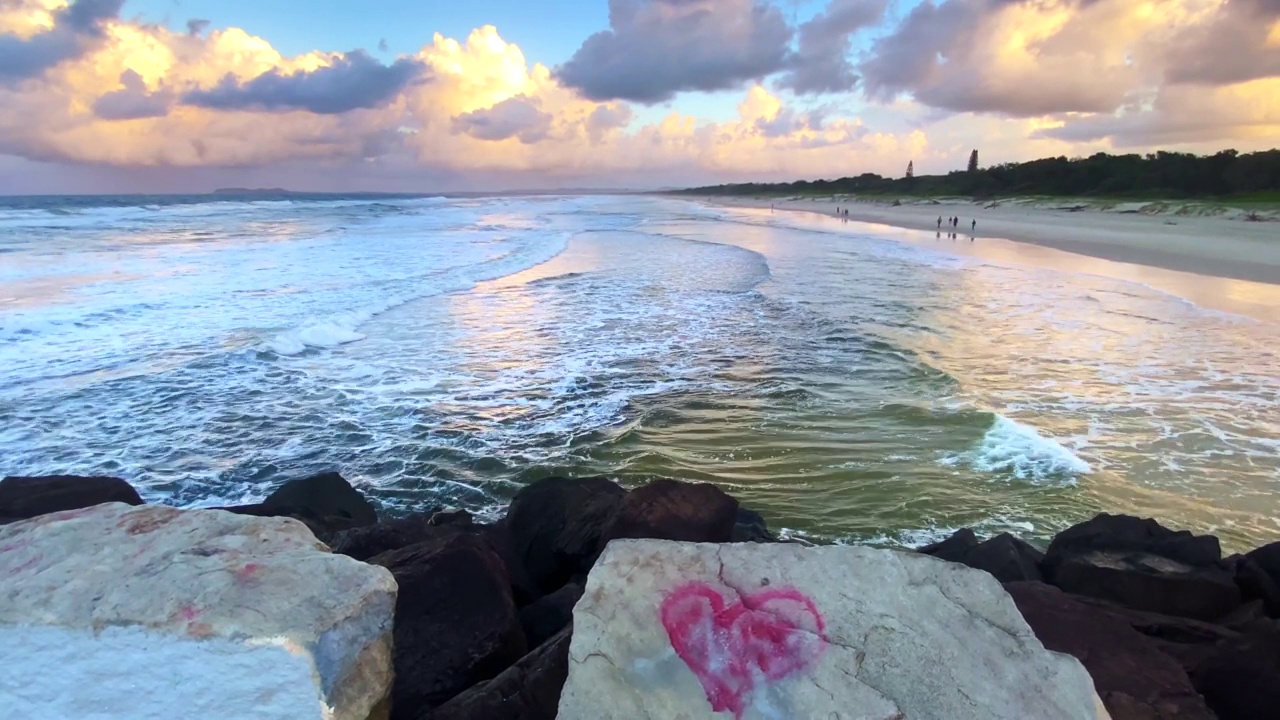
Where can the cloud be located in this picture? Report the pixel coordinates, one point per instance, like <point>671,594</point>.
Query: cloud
<point>133,102</point>
<point>517,116</point>
<point>1016,57</point>
<point>74,29</point>
<point>354,80</point>
<point>196,26</point>
<point>821,64</point>
<point>605,118</point>
<point>657,48</point>
<point>1240,43</point>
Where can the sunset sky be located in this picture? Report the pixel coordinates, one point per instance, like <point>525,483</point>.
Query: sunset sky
<point>427,95</point>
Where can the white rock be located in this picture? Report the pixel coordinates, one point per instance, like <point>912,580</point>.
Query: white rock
<point>117,612</point>
<point>682,630</point>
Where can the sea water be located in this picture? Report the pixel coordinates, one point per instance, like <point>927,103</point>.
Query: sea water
<point>853,383</point>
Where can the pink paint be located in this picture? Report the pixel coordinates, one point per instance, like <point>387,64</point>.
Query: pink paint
<point>246,573</point>
<point>736,649</point>
<point>188,612</point>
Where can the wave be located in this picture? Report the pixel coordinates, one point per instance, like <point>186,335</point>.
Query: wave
<point>1014,449</point>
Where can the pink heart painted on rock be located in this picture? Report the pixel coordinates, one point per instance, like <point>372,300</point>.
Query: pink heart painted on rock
<point>734,649</point>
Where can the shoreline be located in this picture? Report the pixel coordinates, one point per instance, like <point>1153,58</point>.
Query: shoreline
<point>1202,245</point>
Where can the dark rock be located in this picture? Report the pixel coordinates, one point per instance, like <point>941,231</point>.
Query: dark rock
<point>1188,641</point>
<point>27,497</point>
<point>549,615</point>
<point>1242,679</point>
<point>363,543</point>
<point>554,526</point>
<point>954,547</point>
<point>1249,617</point>
<point>1258,575</point>
<point>327,495</point>
<point>1149,582</point>
<point>499,537</point>
<point>751,527</point>
<point>528,690</point>
<point>451,517</point>
<point>1132,676</point>
<point>455,619</point>
<point>1004,556</point>
<point>1128,534</point>
<point>674,510</point>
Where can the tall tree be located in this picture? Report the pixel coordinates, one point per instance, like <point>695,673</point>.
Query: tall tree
<point>911,168</point>
<point>973,161</point>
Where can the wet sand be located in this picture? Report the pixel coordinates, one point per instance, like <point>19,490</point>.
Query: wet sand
<point>1205,245</point>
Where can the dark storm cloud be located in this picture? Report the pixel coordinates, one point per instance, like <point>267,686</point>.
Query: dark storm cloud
<point>657,48</point>
<point>354,81</point>
<point>940,54</point>
<point>517,117</point>
<point>75,28</point>
<point>1235,46</point>
<point>133,101</point>
<point>821,64</point>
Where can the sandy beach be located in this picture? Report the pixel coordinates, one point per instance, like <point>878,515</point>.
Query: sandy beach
<point>1178,237</point>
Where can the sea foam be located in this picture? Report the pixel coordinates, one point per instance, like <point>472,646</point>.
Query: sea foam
<point>1012,448</point>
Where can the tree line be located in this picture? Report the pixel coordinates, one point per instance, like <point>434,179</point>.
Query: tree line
<point>1154,175</point>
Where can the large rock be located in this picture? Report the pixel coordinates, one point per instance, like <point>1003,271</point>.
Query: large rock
<point>1006,557</point>
<point>1136,680</point>
<point>750,526</point>
<point>528,690</point>
<point>1242,680</point>
<point>548,615</point>
<point>1140,564</point>
<point>674,510</point>
<point>1258,575</point>
<point>683,630</point>
<point>456,622</point>
<point>365,542</point>
<point>554,526</point>
<point>326,503</point>
<point>152,612</point>
<point>28,497</point>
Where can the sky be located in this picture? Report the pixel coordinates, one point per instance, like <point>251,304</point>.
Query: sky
<point>116,96</point>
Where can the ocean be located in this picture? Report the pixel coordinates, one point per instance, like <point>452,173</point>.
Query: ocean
<point>853,383</point>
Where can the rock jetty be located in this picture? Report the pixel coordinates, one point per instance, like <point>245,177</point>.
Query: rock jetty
<point>521,619</point>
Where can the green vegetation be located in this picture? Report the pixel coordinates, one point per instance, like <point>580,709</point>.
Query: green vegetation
<point>1250,178</point>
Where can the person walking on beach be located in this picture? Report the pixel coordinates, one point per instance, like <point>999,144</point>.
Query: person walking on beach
<point>973,225</point>
<point>939,222</point>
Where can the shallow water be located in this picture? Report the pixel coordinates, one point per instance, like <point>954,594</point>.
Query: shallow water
<point>852,382</point>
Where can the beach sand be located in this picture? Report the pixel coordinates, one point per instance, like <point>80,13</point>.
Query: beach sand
<point>1172,236</point>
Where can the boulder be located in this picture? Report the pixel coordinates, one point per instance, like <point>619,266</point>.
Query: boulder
<point>1006,557</point>
<point>528,690</point>
<point>27,497</point>
<point>1127,534</point>
<point>1258,575</point>
<point>365,542</point>
<point>1149,582</point>
<point>1139,563</point>
<point>125,612</point>
<point>1136,680</point>
<point>548,615</point>
<point>1242,679</point>
<point>749,526</point>
<point>326,503</point>
<point>695,630</point>
<point>674,510</point>
<point>554,526</point>
<point>455,623</point>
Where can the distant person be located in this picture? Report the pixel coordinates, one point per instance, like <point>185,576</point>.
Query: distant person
<point>955,221</point>
<point>973,225</point>
<point>939,222</point>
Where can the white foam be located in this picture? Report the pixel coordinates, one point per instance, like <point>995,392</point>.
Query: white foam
<point>1012,448</point>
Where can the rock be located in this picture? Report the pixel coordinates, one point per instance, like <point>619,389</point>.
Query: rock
<point>749,526</point>
<point>528,690</point>
<point>126,612</point>
<point>554,526</point>
<point>1242,680</point>
<point>1188,641</point>
<point>326,503</point>
<point>954,547</point>
<point>363,543</point>
<point>1258,575</point>
<point>549,615</point>
<point>1141,564</point>
<point>27,497</point>
<point>451,517</point>
<point>1125,534</point>
<point>674,510</point>
<point>455,623</point>
<point>1004,556</point>
<point>1134,678</point>
<point>1149,582</point>
<point>684,630</point>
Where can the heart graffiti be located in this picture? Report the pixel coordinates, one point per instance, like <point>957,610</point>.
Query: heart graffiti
<point>734,649</point>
